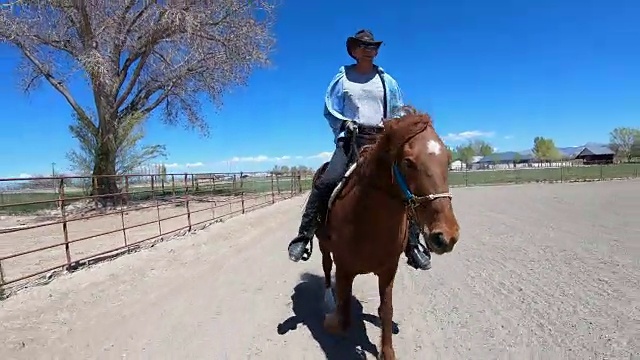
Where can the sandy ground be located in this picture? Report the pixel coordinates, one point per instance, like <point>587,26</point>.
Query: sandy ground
<point>102,233</point>
<point>541,272</point>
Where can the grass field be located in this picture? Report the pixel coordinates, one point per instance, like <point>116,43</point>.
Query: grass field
<point>15,202</point>
<point>526,175</point>
<point>30,201</point>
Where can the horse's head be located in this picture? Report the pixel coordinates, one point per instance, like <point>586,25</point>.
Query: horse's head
<point>420,170</point>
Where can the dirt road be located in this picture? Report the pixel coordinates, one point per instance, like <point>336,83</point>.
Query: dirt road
<point>541,271</point>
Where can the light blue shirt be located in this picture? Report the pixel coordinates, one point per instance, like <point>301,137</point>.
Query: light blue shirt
<point>356,97</point>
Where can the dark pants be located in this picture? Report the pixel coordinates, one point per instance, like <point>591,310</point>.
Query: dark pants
<point>337,168</point>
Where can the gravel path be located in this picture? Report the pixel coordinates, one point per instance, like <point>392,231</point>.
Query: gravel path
<point>541,271</point>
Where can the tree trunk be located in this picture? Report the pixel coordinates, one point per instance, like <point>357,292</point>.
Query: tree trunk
<point>104,170</point>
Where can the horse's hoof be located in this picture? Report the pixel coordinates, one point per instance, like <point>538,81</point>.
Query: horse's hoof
<point>332,324</point>
<point>387,354</point>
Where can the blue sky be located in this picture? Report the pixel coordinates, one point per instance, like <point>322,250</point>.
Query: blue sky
<point>500,70</point>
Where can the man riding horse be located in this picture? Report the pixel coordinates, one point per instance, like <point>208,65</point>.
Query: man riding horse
<point>360,96</point>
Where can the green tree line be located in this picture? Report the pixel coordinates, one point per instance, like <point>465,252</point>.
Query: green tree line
<point>623,141</point>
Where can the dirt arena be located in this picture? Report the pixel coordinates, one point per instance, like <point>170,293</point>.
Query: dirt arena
<point>546,271</point>
<point>92,233</point>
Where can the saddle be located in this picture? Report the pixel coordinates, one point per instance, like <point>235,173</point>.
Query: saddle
<point>365,137</point>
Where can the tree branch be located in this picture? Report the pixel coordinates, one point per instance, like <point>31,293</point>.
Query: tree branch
<point>58,85</point>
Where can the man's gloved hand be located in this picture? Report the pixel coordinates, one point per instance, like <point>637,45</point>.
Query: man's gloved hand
<point>350,126</point>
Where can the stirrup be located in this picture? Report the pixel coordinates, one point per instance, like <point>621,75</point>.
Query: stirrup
<point>422,248</point>
<point>308,250</point>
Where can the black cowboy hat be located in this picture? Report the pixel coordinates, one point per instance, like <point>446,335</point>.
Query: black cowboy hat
<point>363,36</point>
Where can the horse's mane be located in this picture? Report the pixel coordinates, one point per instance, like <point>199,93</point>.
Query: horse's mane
<point>396,133</point>
<point>399,129</point>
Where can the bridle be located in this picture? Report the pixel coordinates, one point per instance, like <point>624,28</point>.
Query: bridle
<point>411,200</point>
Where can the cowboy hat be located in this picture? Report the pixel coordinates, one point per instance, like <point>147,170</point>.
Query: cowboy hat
<point>363,36</point>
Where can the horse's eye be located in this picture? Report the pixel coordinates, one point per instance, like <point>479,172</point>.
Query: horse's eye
<point>409,164</point>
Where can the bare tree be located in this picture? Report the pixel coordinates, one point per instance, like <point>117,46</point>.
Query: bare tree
<point>130,153</point>
<point>139,55</point>
<point>622,140</point>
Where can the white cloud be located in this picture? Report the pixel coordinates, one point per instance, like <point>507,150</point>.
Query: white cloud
<point>325,155</point>
<point>25,175</point>
<point>508,137</point>
<point>467,135</point>
<point>181,166</point>
<point>259,158</point>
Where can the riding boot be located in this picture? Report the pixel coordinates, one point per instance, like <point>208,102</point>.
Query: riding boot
<point>418,255</point>
<point>298,246</point>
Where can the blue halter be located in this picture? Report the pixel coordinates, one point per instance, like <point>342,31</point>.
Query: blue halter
<point>410,198</point>
<point>408,195</point>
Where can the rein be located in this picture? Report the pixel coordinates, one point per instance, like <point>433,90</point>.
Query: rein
<point>410,200</point>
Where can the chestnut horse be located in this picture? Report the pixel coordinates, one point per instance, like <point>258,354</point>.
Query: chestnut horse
<point>403,175</point>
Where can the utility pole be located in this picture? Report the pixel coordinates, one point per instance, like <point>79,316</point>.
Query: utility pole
<point>53,174</point>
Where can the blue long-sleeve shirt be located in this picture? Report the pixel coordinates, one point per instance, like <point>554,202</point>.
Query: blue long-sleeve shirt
<point>334,108</point>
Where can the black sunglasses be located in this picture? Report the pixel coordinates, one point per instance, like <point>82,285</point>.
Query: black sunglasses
<point>368,46</point>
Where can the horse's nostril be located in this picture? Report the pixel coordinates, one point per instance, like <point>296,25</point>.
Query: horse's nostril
<point>437,238</point>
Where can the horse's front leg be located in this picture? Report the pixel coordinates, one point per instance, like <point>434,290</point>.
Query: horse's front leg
<point>327,266</point>
<point>339,321</point>
<point>385,311</point>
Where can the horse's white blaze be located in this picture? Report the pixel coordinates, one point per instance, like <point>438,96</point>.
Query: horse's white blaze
<point>433,147</point>
<point>329,300</point>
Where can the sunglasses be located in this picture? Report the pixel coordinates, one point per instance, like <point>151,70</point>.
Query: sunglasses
<point>367,46</point>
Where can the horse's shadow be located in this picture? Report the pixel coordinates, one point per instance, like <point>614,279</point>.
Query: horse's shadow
<point>308,308</point>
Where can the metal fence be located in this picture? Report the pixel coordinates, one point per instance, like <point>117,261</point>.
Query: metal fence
<point>523,175</point>
<point>55,224</point>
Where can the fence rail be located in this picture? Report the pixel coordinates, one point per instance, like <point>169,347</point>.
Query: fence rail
<point>46,229</point>
<point>41,216</point>
<point>544,174</point>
